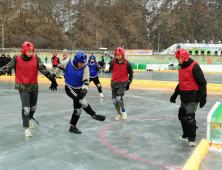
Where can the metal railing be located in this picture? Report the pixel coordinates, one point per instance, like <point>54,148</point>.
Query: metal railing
<point>54,50</point>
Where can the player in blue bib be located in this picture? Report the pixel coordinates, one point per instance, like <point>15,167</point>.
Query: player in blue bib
<point>93,69</point>
<point>76,87</point>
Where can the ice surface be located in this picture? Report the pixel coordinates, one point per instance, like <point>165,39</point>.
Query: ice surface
<point>153,139</point>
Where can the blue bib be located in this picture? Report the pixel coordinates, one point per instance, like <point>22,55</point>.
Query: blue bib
<point>92,69</point>
<point>74,77</point>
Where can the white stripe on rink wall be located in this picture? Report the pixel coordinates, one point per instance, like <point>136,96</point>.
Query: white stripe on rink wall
<point>209,118</point>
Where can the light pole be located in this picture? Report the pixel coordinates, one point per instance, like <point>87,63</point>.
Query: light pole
<point>2,36</point>
<point>97,47</point>
<point>158,44</point>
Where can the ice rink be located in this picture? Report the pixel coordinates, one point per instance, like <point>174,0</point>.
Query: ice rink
<point>152,125</point>
<point>215,78</point>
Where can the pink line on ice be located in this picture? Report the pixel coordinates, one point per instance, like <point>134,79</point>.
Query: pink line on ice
<point>101,137</point>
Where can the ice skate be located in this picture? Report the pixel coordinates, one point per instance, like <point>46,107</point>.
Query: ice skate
<point>124,115</point>
<point>28,133</point>
<point>31,124</point>
<point>119,117</point>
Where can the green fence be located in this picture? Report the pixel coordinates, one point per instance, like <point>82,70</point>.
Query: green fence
<point>141,66</point>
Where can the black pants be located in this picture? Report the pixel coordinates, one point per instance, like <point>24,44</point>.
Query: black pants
<point>186,116</point>
<point>97,83</point>
<point>78,104</point>
<point>29,102</point>
<point>102,64</point>
<point>9,73</point>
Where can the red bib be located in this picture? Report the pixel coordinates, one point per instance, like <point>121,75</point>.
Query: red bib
<point>120,71</point>
<point>186,78</point>
<point>55,61</point>
<point>26,71</point>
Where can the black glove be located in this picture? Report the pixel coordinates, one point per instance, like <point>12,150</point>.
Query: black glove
<point>203,101</point>
<point>54,85</point>
<point>127,86</point>
<point>173,98</point>
<point>52,77</point>
<point>82,94</point>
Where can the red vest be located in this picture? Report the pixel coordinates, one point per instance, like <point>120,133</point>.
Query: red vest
<point>55,61</point>
<point>26,71</point>
<point>186,78</point>
<point>120,71</point>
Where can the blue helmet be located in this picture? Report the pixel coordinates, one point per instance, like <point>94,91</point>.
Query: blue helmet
<point>92,57</point>
<point>80,57</point>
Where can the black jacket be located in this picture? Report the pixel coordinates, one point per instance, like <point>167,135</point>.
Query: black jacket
<point>3,61</point>
<point>8,60</point>
<point>193,95</point>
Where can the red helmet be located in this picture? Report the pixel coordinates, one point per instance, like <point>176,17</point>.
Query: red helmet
<point>54,53</point>
<point>64,55</point>
<point>27,46</point>
<point>183,54</point>
<point>119,50</point>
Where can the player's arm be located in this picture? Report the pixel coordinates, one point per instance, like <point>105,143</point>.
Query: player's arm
<point>42,68</point>
<point>85,78</point>
<point>175,94</point>
<point>111,65</point>
<point>130,71</point>
<point>61,66</point>
<point>202,83</point>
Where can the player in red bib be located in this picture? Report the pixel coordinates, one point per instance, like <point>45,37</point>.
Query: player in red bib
<point>64,56</point>
<point>26,81</point>
<point>121,79</point>
<point>55,61</point>
<point>192,90</point>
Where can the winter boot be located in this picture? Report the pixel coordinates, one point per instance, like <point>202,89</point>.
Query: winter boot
<point>124,115</point>
<point>192,144</point>
<point>101,95</point>
<point>73,129</point>
<point>185,138</point>
<point>119,117</point>
<point>99,117</point>
<point>27,132</point>
<point>31,124</point>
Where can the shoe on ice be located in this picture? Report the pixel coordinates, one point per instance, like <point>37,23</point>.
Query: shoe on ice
<point>124,115</point>
<point>184,138</point>
<point>101,95</point>
<point>99,117</point>
<point>73,129</point>
<point>192,144</point>
<point>31,124</point>
<point>119,117</point>
<point>27,132</point>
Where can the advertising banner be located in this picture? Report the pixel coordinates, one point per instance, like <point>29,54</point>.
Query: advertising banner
<point>138,52</point>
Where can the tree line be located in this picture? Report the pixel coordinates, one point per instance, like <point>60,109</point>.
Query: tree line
<point>90,24</point>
